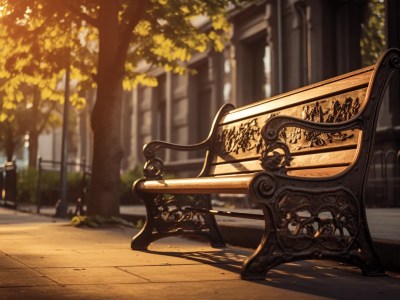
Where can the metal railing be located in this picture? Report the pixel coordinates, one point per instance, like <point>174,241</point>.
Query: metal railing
<point>54,167</point>
<point>8,184</point>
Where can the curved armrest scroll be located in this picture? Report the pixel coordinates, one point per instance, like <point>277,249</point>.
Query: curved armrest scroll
<point>150,149</point>
<point>274,125</point>
<point>275,161</point>
<point>154,166</point>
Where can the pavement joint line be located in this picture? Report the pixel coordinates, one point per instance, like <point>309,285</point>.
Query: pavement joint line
<point>126,271</point>
<point>33,269</point>
<point>126,283</point>
<point>24,286</point>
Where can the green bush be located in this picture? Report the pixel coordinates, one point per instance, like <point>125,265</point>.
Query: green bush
<point>48,192</point>
<point>27,185</point>
<point>127,180</point>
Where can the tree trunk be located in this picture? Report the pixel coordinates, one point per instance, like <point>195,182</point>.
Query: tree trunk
<point>10,143</point>
<point>35,130</point>
<point>106,118</point>
<point>33,149</point>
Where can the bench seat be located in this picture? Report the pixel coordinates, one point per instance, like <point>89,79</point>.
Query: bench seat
<point>228,184</point>
<point>204,185</point>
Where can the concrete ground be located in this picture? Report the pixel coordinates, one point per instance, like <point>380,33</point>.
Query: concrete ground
<point>46,258</point>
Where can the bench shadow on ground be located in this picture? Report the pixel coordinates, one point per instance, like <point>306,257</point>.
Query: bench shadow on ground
<point>223,258</point>
<point>316,277</point>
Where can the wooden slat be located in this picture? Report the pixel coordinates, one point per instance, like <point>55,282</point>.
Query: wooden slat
<point>206,185</point>
<point>300,96</point>
<point>309,161</point>
<point>242,139</point>
<point>325,159</point>
<point>319,172</point>
<point>236,167</point>
<point>346,144</point>
<point>221,184</point>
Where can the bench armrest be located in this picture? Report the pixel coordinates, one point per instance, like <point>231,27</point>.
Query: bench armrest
<point>154,166</point>
<point>150,149</point>
<point>275,161</point>
<point>275,124</point>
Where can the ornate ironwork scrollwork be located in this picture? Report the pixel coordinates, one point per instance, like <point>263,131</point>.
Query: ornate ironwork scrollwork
<point>326,220</point>
<point>264,185</point>
<point>173,213</point>
<point>276,161</point>
<point>395,62</point>
<point>338,111</point>
<point>243,138</point>
<point>278,136</point>
<point>154,168</point>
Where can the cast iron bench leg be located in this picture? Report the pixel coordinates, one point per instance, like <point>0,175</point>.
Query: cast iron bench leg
<point>171,216</point>
<point>266,255</point>
<point>363,255</point>
<point>271,253</point>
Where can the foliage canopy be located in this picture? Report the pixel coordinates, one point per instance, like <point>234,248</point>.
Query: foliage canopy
<point>105,42</point>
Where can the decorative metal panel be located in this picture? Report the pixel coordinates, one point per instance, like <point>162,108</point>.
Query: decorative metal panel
<point>243,140</point>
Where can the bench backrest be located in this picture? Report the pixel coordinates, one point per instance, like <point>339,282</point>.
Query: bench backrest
<point>237,141</point>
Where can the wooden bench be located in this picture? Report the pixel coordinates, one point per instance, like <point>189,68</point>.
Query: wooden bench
<point>303,156</point>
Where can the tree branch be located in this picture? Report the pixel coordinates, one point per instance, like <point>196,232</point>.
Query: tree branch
<point>45,117</point>
<point>133,15</point>
<point>73,7</point>
<point>90,20</point>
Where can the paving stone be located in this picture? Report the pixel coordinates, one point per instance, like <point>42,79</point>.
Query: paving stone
<point>23,277</point>
<point>84,275</point>
<point>8,262</point>
<point>182,273</point>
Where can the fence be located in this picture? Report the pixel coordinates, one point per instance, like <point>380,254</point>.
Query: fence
<point>48,193</point>
<point>8,184</point>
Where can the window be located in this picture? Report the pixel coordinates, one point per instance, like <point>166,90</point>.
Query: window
<point>227,76</point>
<point>203,101</point>
<point>256,62</point>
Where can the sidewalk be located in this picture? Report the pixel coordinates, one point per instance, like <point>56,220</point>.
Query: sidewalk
<point>45,258</point>
<point>384,225</point>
